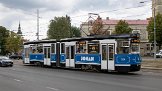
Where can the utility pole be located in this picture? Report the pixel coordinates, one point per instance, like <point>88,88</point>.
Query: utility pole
<point>154,15</point>
<point>37,25</point>
<point>154,35</point>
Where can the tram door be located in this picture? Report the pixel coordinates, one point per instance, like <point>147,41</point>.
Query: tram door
<point>26,54</point>
<point>47,55</point>
<point>108,51</point>
<point>70,53</point>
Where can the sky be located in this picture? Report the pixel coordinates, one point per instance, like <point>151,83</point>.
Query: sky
<point>25,11</point>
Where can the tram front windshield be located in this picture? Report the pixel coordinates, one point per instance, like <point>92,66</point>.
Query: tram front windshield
<point>135,48</point>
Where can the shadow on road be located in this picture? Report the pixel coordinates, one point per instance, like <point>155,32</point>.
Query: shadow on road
<point>89,71</point>
<point>124,74</point>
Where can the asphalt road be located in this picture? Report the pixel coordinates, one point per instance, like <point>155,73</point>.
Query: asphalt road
<point>29,78</point>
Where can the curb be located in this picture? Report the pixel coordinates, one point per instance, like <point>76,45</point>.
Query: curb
<point>151,68</point>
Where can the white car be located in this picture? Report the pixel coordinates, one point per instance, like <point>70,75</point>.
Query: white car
<point>159,55</point>
<point>5,61</point>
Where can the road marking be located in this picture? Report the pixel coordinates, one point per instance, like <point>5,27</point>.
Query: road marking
<point>52,88</point>
<point>18,80</point>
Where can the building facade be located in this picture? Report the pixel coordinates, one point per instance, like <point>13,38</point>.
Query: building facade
<point>157,5</point>
<point>138,26</point>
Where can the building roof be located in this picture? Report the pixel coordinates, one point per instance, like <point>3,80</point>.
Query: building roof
<point>130,22</point>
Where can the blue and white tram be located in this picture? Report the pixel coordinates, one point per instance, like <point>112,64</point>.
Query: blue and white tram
<point>110,53</point>
<point>40,52</point>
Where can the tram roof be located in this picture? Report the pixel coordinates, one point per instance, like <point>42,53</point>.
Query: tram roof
<point>41,41</point>
<point>99,37</point>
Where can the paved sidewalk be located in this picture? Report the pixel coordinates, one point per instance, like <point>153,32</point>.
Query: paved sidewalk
<point>154,68</point>
<point>150,63</point>
<point>151,59</point>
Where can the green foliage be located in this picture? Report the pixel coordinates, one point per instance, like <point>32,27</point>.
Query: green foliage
<point>75,31</point>
<point>122,27</point>
<point>59,28</point>
<point>14,43</point>
<point>9,41</point>
<point>4,33</point>
<point>97,27</point>
<point>150,29</point>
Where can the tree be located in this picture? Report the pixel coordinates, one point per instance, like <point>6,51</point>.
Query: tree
<point>122,27</point>
<point>4,33</point>
<point>59,28</point>
<point>97,27</point>
<point>150,29</point>
<point>75,31</point>
<point>13,43</point>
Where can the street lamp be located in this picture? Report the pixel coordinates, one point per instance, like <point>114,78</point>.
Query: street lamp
<point>154,29</point>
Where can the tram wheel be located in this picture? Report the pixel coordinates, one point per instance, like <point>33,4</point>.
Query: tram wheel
<point>83,67</point>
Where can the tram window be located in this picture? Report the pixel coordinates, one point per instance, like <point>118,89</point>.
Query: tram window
<point>48,53</point>
<point>26,52</point>
<point>93,48</point>
<point>123,47</point>
<point>111,52</point>
<point>40,49</point>
<point>67,52</point>
<point>34,51</point>
<point>30,50</point>
<point>81,47</point>
<point>72,52</point>
<point>52,48</point>
<point>36,48</point>
<point>45,52</point>
<point>62,47</point>
<point>125,43</point>
<point>126,50</point>
<point>103,52</point>
<point>123,50</point>
<point>33,48</point>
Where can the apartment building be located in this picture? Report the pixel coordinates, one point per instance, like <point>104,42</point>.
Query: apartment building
<point>139,26</point>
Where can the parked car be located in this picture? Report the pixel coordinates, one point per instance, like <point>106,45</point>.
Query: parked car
<point>14,56</point>
<point>5,61</point>
<point>159,54</point>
